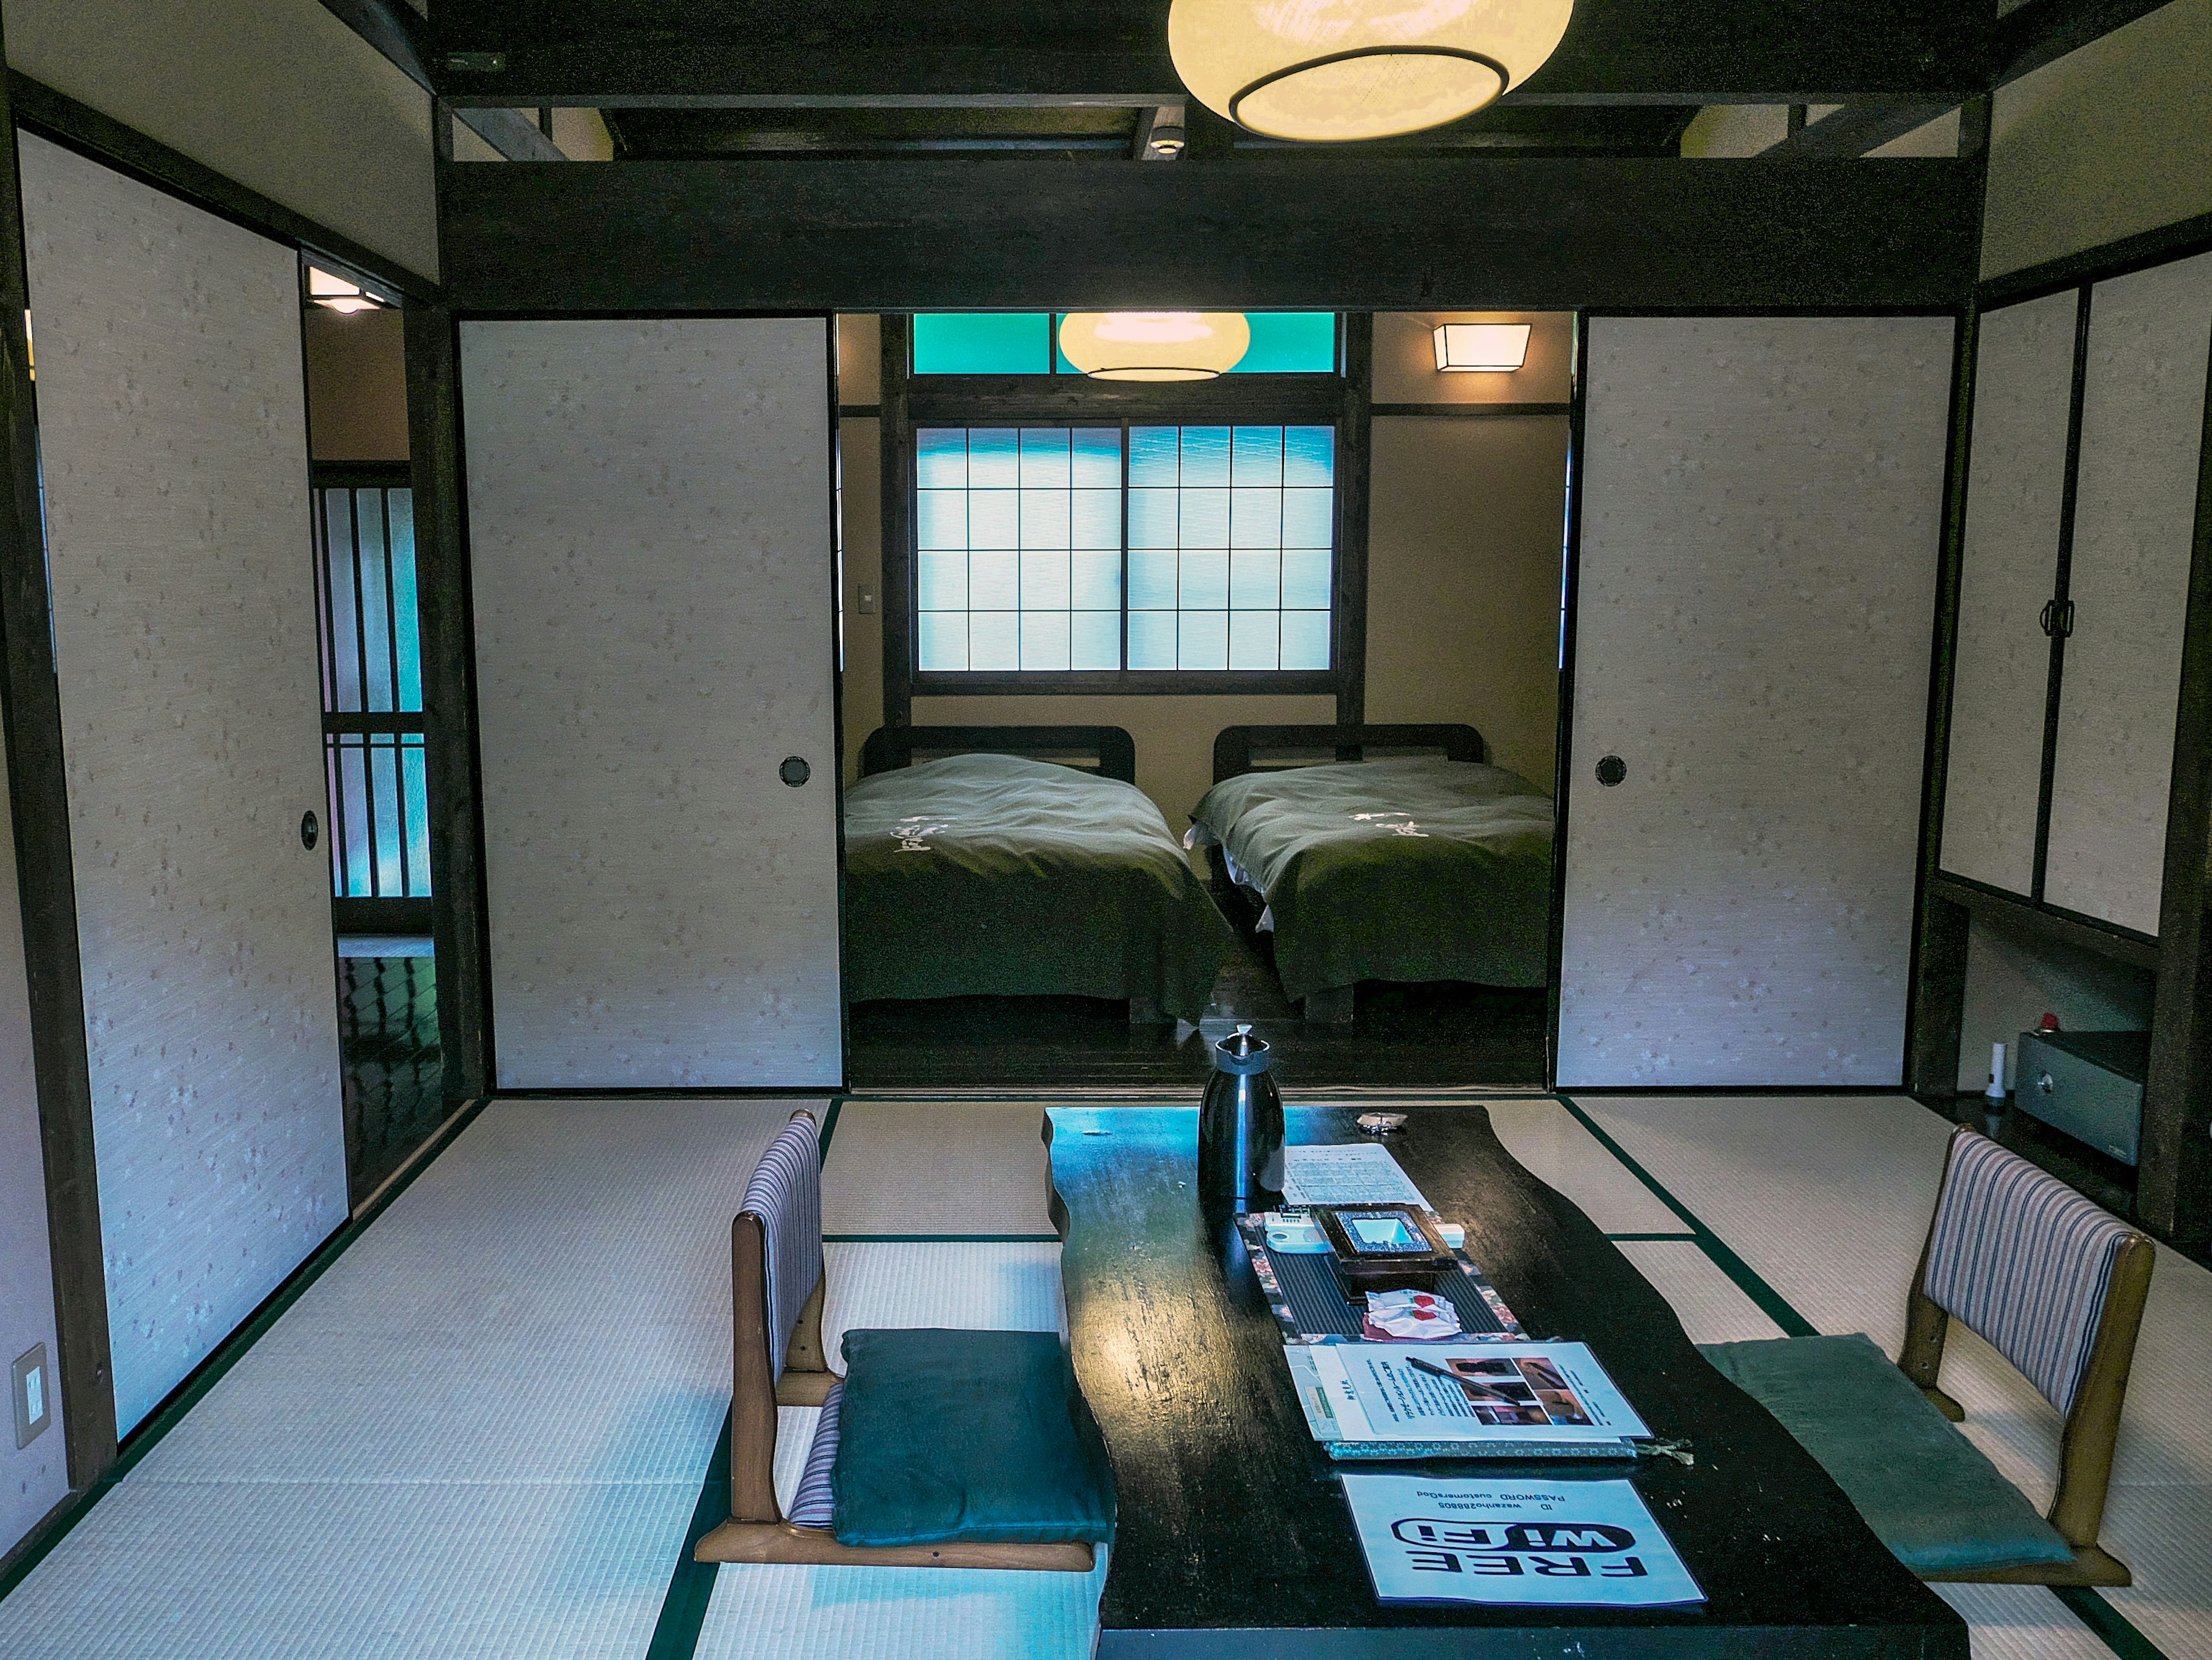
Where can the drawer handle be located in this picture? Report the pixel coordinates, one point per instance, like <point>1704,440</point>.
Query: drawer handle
<point>2047,1084</point>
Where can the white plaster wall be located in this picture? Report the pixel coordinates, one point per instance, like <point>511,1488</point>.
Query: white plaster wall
<point>1761,528</point>
<point>2015,492</point>
<point>2110,141</point>
<point>650,542</point>
<point>277,94</point>
<point>173,433</point>
<point>33,1479</point>
<point>2135,516</point>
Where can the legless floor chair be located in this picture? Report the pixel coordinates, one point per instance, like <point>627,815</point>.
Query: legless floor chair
<point>777,1278</point>
<point>2052,1283</point>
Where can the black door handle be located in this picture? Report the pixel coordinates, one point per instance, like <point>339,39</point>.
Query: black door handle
<point>1611,770</point>
<point>794,771</point>
<point>310,827</point>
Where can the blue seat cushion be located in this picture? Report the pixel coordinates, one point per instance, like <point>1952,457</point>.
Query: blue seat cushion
<point>966,1437</point>
<point>1926,1490</point>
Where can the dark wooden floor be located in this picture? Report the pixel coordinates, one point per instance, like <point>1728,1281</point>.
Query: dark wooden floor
<point>388,1042</point>
<point>1407,1036</point>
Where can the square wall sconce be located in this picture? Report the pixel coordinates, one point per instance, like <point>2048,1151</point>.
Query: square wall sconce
<point>339,294</point>
<point>1482,348</point>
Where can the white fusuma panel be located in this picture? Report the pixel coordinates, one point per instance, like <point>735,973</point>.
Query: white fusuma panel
<point>2135,517</point>
<point>651,548</point>
<point>173,431</point>
<point>2015,497</point>
<point>1761,527</point>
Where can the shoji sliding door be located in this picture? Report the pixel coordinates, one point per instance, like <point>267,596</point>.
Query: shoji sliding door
<point>2015,501</point>
<point>650,547</point>
<point>1761,528</point>
<point>172,434</point>
<point>2097,394</point>
<point>2134,522</point>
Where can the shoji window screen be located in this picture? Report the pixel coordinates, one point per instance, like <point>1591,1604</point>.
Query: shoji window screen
<point>373,730</point>
<point>172,433</point>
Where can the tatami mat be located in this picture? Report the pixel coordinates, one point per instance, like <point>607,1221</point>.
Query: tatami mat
<point>1547,1142</point>
<point>2022,1622</point>
<point>942,1167</point>
<point>901,1614</point>
<point>1710,1307</point>
<point>1828,1199</point>
<point>999,1285</point>
<point>480,1432</point>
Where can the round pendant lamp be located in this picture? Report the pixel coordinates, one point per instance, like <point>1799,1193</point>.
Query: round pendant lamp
<point>1155,345</point>
<point>1332,70</point>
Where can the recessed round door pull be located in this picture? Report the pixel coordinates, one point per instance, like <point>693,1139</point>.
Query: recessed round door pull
<point>794,771</point>
<point>1611,770</point>
<point>310,827</point>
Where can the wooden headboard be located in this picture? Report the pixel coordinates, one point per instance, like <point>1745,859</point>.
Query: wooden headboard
<point>1108,750</point>
<point>1240,749</point>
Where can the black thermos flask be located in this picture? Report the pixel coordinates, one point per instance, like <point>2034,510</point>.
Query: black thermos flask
<point>1240,1128</point>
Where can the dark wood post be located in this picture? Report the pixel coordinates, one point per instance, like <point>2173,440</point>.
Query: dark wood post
<point>458,913</point>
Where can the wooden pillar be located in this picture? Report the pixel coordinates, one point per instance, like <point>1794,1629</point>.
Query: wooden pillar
<point>1354,448</point>
<point>30,704</point>
<point>2174,1190</point>
<point>896,424</point>
<point>460,917</point>
<point>1936,1012</point>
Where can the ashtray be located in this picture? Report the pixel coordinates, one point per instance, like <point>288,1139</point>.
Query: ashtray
<point>1382,1123</point>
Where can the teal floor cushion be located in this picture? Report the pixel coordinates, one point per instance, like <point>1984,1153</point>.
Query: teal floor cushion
<point>1925,1490</point>
<point>966,1437</point>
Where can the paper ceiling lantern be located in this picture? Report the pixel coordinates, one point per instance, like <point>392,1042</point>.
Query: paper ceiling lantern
<point>1155,345</point>
<point>1330,70</point>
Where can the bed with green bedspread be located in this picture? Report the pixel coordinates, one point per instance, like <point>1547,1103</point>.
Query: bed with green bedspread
<point>1412,868</point>
<point>997,875</point>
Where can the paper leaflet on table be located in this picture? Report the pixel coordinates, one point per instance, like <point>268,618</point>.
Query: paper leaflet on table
<point>1556,1543</point>
<point>1462,1400</point>
<point>1356,1173</point>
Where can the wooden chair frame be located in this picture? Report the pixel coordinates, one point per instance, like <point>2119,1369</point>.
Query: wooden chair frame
<point>2092,1426</point>
<point>757,1530</point>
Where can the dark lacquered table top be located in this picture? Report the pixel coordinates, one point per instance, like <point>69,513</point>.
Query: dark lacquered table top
<point>1233,1537</point>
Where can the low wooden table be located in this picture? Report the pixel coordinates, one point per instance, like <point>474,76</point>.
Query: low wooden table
<point>1233,1536</point>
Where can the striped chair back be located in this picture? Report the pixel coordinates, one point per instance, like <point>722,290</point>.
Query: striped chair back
<point>2024,1261</point>
<point>786,1195</point>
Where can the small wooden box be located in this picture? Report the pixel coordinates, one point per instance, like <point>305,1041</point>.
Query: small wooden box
<point>1383,1247</point>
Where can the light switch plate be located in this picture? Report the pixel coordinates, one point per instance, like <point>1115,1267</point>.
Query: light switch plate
<point>32,1388</point>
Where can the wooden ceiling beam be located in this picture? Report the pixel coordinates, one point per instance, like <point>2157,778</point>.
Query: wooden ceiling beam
<point>1273,231</point>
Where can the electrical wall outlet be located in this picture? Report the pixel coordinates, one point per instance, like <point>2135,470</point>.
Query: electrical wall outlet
<point>31,1387</point>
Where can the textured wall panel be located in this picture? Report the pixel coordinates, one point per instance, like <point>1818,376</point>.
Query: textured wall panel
<point>649,516</point>
<point>2135,515</point>
<point>174,434</point>
<point>1761,524</point>
<point>33,1479</point>
<point>2016,483</point>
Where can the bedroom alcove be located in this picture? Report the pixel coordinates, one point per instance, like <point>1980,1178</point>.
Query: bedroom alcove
<point>1374,543</point>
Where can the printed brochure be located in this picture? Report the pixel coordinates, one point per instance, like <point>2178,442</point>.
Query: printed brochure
<point>1463,1400</point>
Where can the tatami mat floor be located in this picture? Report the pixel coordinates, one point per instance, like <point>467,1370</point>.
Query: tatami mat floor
<point>484,1431</point>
